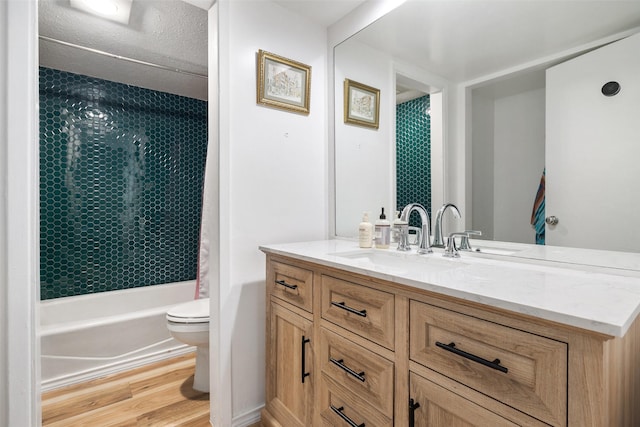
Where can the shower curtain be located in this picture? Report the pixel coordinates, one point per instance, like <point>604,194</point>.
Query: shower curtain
<point>209,198</point>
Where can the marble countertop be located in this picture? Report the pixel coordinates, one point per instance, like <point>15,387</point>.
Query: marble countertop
<point>597,291</point>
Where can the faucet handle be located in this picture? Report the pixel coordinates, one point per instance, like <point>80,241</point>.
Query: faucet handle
<point>451,249</point>
<point>464,240</point>
<point>418,233</point>
<point>402,230</point>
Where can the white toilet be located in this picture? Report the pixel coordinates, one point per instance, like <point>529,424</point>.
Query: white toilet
<point>189,323</point>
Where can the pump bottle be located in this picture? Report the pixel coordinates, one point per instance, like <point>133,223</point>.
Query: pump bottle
<point>365,232</point>
<point>382,232</point>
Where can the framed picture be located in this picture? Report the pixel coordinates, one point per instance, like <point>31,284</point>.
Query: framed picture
<point>361,104</point>
<point>283,83</point>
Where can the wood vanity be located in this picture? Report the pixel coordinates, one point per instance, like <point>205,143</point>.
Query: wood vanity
<point>350,349</point>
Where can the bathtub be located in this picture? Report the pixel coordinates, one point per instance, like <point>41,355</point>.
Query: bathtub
<point>89,336</point>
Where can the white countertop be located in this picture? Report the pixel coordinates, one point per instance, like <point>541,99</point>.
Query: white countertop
<point>564,285</point>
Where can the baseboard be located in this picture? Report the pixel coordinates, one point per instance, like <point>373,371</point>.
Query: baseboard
<point>248,418</point>
<point>113,368</point>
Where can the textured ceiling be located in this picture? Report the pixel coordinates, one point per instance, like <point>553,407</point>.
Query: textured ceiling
<point>171,33</point>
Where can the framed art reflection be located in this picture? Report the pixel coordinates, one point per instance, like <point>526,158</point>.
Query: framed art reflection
<point>361,104</point>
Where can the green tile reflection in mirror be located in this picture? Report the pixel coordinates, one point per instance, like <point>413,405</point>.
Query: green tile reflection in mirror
<point>413,154</point>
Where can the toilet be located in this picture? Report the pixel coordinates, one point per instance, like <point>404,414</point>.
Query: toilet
<point>189,324</point>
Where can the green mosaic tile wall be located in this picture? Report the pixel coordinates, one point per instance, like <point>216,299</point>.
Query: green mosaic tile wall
<point>413,155</point>
<point>121,176</point>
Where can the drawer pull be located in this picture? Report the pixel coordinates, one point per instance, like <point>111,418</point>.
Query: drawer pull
<point>493,365</point>
<point>413,405</point>
<point>286,285</point>
<point>343,306</point>
<point>304,358</point>
<point>344,417</point>
<point>341,365</point>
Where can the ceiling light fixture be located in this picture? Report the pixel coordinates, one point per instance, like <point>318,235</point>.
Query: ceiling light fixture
<point>115,10</point>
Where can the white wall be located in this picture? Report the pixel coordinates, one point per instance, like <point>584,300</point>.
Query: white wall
<point>364,157</point>
<point>19,240</point>
<point>273,179</point>
<point>519,161</point>
<point>482,148</point>
<point>508,150</point>
<point>4,333</point>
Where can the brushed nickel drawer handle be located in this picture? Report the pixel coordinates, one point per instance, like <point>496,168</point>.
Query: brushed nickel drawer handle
<point>286,285</point>
<point>344,417</point>
<point>340,364</point>
<point>343,306</point>
<point>491,364</point>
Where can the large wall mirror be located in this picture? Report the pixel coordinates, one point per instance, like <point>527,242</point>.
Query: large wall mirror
<point>487,62</point>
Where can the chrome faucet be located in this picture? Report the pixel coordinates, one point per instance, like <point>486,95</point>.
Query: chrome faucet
<point>438,237</point>
<point>425,239</point>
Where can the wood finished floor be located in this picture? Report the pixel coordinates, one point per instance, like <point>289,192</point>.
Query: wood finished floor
<point>158,395</point>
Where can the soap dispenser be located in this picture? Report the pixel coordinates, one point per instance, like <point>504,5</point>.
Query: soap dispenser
<point>396,228</point>
<point>382,232</point>
<point>365,232</point>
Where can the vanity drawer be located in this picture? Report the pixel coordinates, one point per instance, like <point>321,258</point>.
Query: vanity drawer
<point>291,284</point>
<point>340,407</point>
<point>362,310</point>
<point>525,371</point>
<point>359,370</point>
<point>438,406</point>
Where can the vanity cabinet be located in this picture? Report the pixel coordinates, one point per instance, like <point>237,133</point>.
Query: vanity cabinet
<point>380,353</point>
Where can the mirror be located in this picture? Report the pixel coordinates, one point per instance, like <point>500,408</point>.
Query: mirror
<point>478,53</point>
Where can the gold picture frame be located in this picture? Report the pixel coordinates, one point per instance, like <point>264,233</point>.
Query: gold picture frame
<point>361,104</point>
<point>283,83</point>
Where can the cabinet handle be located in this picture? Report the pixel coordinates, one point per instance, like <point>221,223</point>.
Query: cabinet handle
<point>341,365</point>
<point>412,412</point>
<point>343,306</point>
<point>304,358</point>
<point>491,364</point>
<point>286,285</point>
<point>344,417</point>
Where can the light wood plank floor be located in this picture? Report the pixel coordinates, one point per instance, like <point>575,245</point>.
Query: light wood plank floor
<point>159,395</point>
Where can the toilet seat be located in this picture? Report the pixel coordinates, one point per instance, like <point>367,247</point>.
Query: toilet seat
<point>196,311</point>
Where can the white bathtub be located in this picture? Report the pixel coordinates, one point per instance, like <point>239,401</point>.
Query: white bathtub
<point>88,336</point>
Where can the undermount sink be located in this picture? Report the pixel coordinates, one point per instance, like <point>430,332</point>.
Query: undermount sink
<point>392,261</point>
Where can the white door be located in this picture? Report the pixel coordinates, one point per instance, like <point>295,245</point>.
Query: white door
<point>593,149</point>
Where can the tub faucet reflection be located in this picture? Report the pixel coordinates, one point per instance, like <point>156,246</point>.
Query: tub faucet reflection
<point>425,238</point>
<point>438,237</point>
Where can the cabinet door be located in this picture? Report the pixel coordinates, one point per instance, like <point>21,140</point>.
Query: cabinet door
<point>289,367</point>
<point>435,406</point>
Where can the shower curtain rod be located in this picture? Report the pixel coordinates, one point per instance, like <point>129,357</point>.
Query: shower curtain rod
<point>123,58</point>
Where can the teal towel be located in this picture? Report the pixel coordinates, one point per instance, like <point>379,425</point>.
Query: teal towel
<point>537,215</point>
